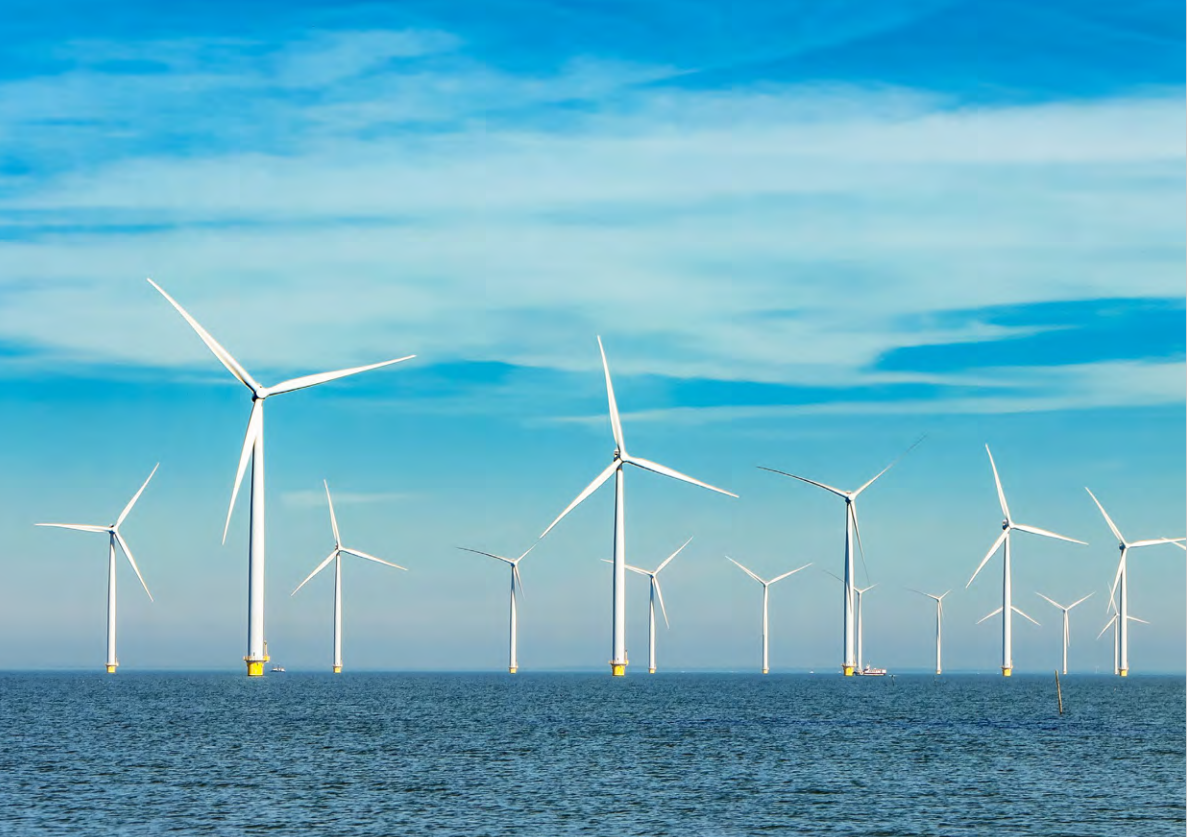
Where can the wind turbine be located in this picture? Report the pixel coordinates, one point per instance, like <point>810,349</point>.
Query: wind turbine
<point>1112,623</point>
<point>766,588</point>
<point>1008,609</point>
<point>1121,580</point>
<point>851,531</point>
<point>1066,634</point>
<point>336,557</point>
<point>621,458</point>
<point>113,537</point>
<point>656,593</point>
<point>939,600</point>
<point>857,593</point>
<point>253,449</point>
<point>516,582</point>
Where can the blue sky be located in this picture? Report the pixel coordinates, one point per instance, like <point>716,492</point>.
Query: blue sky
<point>807,235</point>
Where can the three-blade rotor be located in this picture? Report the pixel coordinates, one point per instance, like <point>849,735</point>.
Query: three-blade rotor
<point>113,531</point>
<point>621,457</point>
<point>339,549</point>
<point>514,562</point>
<point>654,576</point>
<point>259,392</point>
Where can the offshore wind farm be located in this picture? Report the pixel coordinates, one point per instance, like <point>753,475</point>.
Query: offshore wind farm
<point>927,256</point>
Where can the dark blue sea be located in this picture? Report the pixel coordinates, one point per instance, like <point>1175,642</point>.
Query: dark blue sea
<point>560,754</point>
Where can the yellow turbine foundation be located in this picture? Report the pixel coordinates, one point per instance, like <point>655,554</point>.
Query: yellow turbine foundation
<point>847,669</point>
<point>1124,672</point>
<point>512,669</point>
<point>255,668</point>
<point>618,669</point>
<point>337,669</point>
<point>1007,671</point>
<point>111,668</point>
<point>651,671</point>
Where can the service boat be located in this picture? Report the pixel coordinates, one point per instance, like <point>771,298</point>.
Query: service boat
<point>870,671</point>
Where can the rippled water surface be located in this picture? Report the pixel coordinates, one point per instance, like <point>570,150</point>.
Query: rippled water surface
<point>558,754</point>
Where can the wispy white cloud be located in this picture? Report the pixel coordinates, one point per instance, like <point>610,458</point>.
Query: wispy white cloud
<point>672,221</point>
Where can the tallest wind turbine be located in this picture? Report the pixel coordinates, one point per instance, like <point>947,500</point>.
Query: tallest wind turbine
<point>253,449</point>
<point>621,458</point>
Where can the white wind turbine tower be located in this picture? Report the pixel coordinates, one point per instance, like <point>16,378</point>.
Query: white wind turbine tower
<point>656,593</point>
<point>113,537</point>
<point>939,600</point>
<point>766,588</point>
<point>851,531</point>
<point>253,449</point>
<point>336,557</point>
<point>621,458</point>
<point>516,584</point>
<point>857,594</point>
<point>1121,581</point>
<point>1007,610</point>
<point>1112,623</point>
<point>1066,633</point>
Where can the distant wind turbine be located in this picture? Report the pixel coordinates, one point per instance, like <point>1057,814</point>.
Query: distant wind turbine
<point>113,537</point>
<point>766,588</point>
<point>1120,587</point>
<point>851,531</point>
<point>1007,610</point>
<point>655,593</point>
<point>336,557</point>
<point>857,594</point>
<point>1066,633</point>
<point>1112,623</point>
<point>939,600</point>
<point>516,583</point>
<point>253,449</point>
<point>621,457</point>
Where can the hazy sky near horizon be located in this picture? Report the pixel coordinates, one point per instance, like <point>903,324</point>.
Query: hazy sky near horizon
<point>807,234</point>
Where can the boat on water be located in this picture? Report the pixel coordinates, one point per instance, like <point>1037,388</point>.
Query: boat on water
<point>870,671</point>
<point>277,668</point>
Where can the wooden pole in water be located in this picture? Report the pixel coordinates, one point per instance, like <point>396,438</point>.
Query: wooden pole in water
<point>1058,692</point>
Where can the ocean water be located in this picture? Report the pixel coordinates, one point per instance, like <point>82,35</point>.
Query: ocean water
<point>561,754</point>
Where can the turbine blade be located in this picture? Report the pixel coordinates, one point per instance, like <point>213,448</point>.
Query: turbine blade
<point>836,491</point>
<point>1155,541</point>
<point>1023,615</point>
<point>254,422</point>
<point>358,553</point>
<point>989,616</point>
<point>487,554</point>
<point>891,465</point>
<point>322,377</point>
<point>793,572</point>
<point>135,497</point>
<point>1001,495</point>
<point>589,489</point>
<point>752,575</point>
<point>615,422</point>
<point>659,594</point>
<point>333,518</point>
<point>638,570</point>
<point>233,366</point>
<point>648,465</point>
<point>1135,619</point>
<point>1079,601</point>
<point>1035,530</point>
<point>124,546</point>
<point>1117,580</point>
<point>81,527</point>
<point>857,531</point>
<point>834,575</point>
<point>1108,625</point>
<point>673,555</point>
<point>318,569</point>
<point>1108,520</point>
<point>517,579</point>
<point>525,553</point>
<point>1057,604</point>
<point>996,545</point>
